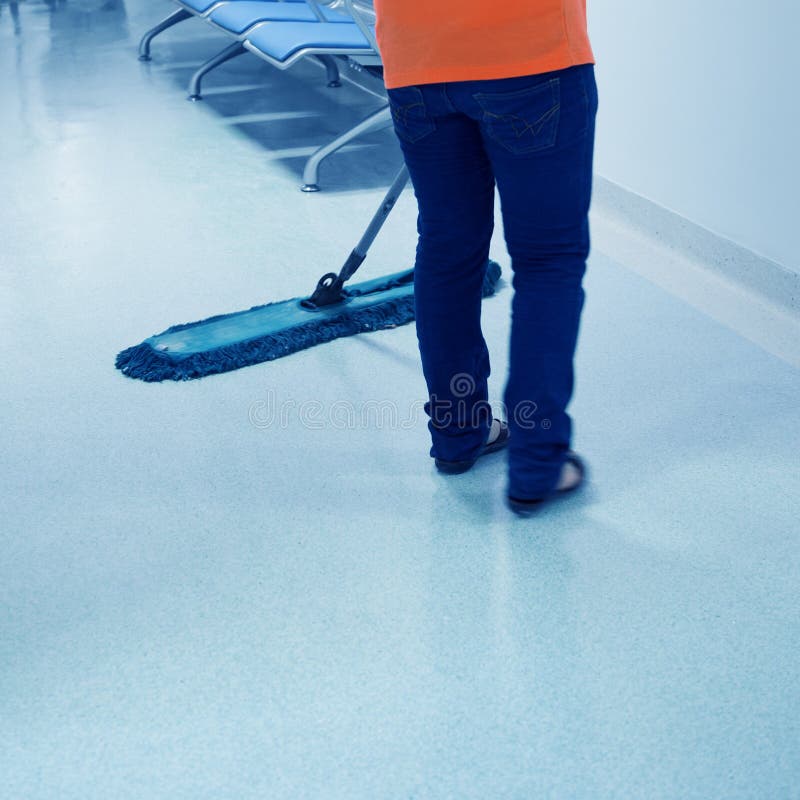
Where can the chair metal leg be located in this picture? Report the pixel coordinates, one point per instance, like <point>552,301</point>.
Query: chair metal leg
<point>333,71</point>
<point>382,118</point>
<point>236,49</point>
<point>173,19</point>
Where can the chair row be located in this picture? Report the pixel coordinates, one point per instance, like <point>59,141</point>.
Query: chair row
<point>281,32</point>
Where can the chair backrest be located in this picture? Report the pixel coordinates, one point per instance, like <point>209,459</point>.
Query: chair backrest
<point>363,14</point>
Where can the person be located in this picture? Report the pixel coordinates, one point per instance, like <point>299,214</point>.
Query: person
<point>497,94</point>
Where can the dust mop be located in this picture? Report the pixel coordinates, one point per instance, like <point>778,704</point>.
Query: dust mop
<point>264,333</point>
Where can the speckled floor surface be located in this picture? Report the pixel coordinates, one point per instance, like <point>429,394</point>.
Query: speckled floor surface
<point>256,585</point>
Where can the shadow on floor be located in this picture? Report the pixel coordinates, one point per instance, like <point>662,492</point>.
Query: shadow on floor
<point>289,114</point>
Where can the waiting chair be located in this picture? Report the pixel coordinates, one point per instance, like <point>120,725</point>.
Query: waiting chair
<point>283,44</point>
<point>239,18</point>
<point>188,9</point>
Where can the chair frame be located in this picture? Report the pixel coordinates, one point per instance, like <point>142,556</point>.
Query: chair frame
<point>237,49</point>
<point>179,15</point>
<point>377,120</point>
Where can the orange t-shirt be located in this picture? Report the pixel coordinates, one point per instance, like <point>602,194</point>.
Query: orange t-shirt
<point>433,41</point>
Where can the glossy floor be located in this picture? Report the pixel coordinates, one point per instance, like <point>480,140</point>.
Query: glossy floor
<point>256,585</point>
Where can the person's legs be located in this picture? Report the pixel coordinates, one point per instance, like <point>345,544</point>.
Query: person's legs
<point>454,186</point>
<point>539,134</point>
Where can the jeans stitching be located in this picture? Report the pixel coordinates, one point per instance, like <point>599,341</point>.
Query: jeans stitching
<point>403,117</point>
<point>519,124</point>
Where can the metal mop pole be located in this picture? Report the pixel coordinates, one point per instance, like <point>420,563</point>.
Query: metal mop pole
<point>329,287</point>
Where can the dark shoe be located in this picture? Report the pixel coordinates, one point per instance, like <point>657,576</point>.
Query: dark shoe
<point>457,467</point>
<point>528,506</point>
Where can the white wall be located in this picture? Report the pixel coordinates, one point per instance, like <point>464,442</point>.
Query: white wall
<point>700,112</point>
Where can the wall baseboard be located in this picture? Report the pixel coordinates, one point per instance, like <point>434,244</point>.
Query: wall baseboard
<point>748,293</point>
<point>776,283</point>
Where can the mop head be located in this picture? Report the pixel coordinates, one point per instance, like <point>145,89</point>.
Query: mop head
<point>264,333</point>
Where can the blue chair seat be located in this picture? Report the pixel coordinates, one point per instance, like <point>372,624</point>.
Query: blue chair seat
<point>202,6</point>
<point>283,40</point>
<point>241,15</point>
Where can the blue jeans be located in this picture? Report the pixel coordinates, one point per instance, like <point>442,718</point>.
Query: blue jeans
<point>533,137</point>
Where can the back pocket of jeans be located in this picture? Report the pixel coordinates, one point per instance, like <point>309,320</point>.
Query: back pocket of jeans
<point>524,121</point>
<point>411,120</point>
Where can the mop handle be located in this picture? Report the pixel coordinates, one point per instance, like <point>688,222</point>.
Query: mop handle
<point>373,229</point>
<point>329,287</point>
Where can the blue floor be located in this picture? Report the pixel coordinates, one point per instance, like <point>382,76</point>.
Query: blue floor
<point>256,585</point>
